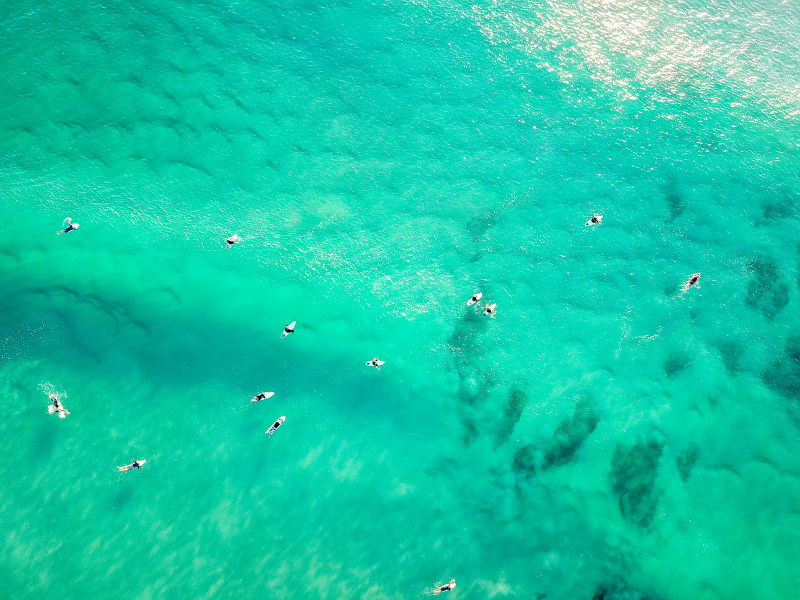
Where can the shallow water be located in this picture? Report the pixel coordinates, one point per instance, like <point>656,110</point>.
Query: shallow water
<point>604,436</point>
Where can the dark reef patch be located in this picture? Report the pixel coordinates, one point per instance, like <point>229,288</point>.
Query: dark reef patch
<point>686,460</point>
<point>732,354</point>
<point>525,461</point>
<point>571,435</point>
<point>675,365</point>
<point>479,225</point>
<point>783,375</point>
<point>766,291</point>
<point>777,211</point>
<point>673,198</point>
<point>568,438</point>
<point>797,280</point>
<point>512,413</point>
<point>619,591</point>
<point>633,476</point>
<point>474,383</point>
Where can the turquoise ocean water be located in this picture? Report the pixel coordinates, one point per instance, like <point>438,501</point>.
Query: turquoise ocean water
<point>603,437</point>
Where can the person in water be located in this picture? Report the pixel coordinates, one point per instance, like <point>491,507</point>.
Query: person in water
<point>287,330</point>
<point>596,219</point>
<point>260,396</point>
<point>374,363</point>
<point>70,226</point>
<point>691,281</point>
<point>137,464</point>
<point>57,406</point>
<point>489,310</point>
<point>234,239</point>
<point>274,427</point>
<point>445,588</point>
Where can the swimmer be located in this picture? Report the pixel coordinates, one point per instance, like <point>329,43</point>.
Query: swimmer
<point>288,329</point>
<point>275,426</point>
<point>234,239</point>
<point>596,219</point>
<point>70,226</point>
<point>445,588</point>
<point>262,396</point>
<point>57,407</point>
<point>137,464</point>
<point>474,299</point>
<point>489,310</point>
<point>691,281</point>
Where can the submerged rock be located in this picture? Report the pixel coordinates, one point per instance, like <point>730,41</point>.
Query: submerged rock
<point>568,438</point>
<point>571,435</point>
<point>512,413</point>
<point>633,475</point>
<point>766,291</point>
<point>686,460</point>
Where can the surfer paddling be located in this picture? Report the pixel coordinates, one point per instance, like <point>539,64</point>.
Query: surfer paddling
<point>375,362</point>
<point>446,587</point>
<point>475,298</point>
<point>262,396</point>
<point>137,464</point>
<point>691,281</point>
<point>275,426</point>
<point>56,406</point>
<point>288,329</point>
<point>234,239</point>
<point>596,219</point>
<point>70,226</point>
<point>489,310</point>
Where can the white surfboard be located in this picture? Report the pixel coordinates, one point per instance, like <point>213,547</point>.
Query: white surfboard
<point>475,299</point>
<point>290,326</point>
<point>130,466</point>
<point>275,426</point>
<point>489,308</point>
<point>51,409</point>
<point>266,396</point>
<point>369,363</point>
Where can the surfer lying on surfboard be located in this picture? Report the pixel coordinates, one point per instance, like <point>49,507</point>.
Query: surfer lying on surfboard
<point>595,220</point>
<point>489,310</point>
<point>275,426</point>
<point>234,239</point>
<point>262,396</point>
<point>137,464</point>
<point>56,406</point>
<point>288,329</point>
<point>475,298</point>
<point>445,588</point>
<point>375,363</point>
